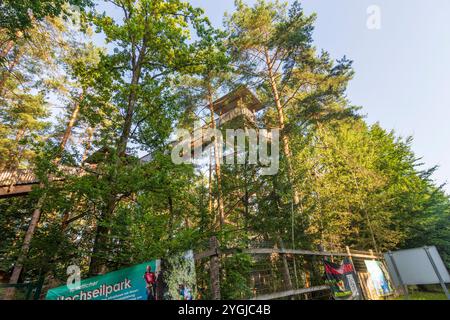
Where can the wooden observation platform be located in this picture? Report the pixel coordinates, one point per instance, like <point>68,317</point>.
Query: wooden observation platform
<point>238,103</point>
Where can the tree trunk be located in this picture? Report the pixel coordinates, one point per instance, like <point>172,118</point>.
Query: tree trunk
<point>246,197</point>
<point>281,120</point>
<point>37,211</point>
<point>10,44</point>
<point>98,265</point>
<point>279,242</point>
<point>18,267</point>
<point>137,68</point>
<point>217,163</point>
<point>171,216</point>
<point>7,49</point>
<point>372,234</point>
<point>210,204</point>
<point>10,69</point>
<point>214,272</point>
<point>73,118</point>
<point>90,133</point>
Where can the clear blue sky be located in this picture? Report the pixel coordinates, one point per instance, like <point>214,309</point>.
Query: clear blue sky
<point>402,70</point>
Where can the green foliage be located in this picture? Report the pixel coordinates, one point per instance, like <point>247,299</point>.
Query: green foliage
<point>235,283</point>
<point>180,271</point>
<point>359,185</point>
<point>18,16</point>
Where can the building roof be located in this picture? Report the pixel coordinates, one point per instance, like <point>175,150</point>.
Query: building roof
<point>232,100</point>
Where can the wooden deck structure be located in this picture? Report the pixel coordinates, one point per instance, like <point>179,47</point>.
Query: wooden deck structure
<point>238,103</point>
<point>17,183</point>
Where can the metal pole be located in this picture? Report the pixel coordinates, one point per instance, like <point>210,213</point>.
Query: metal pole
<point>441,281</point>
<point>38,289</point>
<point>405,287</point>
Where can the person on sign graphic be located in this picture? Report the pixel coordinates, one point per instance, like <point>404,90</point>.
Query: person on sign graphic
<point>150,280</point>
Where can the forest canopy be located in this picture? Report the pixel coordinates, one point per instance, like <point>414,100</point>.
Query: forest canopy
<point>81,115</point>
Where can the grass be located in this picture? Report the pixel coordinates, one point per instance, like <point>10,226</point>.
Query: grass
<point>424,296</point>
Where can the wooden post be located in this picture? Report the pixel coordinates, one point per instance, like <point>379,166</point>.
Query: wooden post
<point>214,269</point>
<point>307,279</point>
<point>286,275</point>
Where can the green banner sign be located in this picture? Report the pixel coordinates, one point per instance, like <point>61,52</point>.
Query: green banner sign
<point>168,279</point>
<point>125,284</point>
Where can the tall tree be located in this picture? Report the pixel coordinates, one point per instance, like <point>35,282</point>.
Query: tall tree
<point>203,88</point>
<point>85,58</point>
<point>273,48</point>
<point>151,45</point>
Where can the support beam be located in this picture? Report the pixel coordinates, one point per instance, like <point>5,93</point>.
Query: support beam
<point>16,191</point>
<point>290,293</point>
